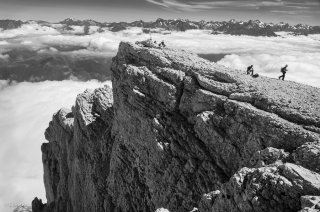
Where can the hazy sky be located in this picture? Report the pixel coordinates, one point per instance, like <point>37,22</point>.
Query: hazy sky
<point>292,11</point>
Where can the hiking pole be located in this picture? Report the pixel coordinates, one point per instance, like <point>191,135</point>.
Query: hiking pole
<point>150,37</point>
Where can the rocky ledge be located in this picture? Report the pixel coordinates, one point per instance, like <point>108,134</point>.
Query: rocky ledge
<point>181,133</point>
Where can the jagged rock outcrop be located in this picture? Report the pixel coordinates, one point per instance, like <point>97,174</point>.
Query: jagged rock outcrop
<point>270,188</point>
<point>179,132</point>
<point>308,155</point>
<point>76,159</point>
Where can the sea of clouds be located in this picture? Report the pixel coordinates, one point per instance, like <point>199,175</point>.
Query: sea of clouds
<point>267,54</point>
<point>26,108</point>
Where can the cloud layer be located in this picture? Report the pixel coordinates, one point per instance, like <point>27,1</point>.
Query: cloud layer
<point>267,54</point>
<point>27,109</point>
<point>302,68</point>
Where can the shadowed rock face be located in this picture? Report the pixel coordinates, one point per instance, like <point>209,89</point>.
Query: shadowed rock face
<point>175,132</point>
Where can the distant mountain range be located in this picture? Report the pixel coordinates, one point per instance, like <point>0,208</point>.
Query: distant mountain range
<point>232,27</point>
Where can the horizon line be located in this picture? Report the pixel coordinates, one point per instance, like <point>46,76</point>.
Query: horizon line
<point>191,20</point>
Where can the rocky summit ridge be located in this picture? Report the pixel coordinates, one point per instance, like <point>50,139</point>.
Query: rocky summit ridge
<point>182,133</point>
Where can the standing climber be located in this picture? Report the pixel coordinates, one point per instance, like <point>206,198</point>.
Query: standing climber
<point>250,70</point>
<point>162,44</point>
<point>283,71</point>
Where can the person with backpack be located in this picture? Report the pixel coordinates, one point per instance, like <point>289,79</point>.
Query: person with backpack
<point>162,44</point>
<point>250,70</point>
<point>283,71</point>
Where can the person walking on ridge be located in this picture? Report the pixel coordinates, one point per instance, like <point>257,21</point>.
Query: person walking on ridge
<point>250,70</point>
<point>162,44</point>
<point>283,71</point>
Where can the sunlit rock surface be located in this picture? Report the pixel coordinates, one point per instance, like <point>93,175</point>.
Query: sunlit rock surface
<point>180,133</point>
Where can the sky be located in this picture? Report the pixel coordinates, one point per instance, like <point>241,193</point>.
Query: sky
<point>291,11</point>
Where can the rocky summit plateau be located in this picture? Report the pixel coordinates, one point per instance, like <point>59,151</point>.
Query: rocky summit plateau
<point>180,133</point>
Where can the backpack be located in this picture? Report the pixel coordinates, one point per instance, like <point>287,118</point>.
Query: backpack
<point>255,75</point>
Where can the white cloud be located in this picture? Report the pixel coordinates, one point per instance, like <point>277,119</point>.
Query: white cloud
<point>266,54</point>
<point>77,29</point>
<point>106,42</point>
<point>302,68</point>
<point>93,29</point>
<point>298,51</point>
<point>28,30</point>
<point>176,5</point>
<point>3,42</point>
<point>4,56</point>
<point>26,109</point>
<point>207,5</point>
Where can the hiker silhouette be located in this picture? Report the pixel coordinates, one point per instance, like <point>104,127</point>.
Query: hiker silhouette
<point>283,71</point>
<point>250,70</point>
<point>162,44</point>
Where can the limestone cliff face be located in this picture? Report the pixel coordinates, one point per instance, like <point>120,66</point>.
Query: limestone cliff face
<point>180,132</point>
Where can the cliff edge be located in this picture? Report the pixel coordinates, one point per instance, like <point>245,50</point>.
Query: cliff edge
<point>182,133</point>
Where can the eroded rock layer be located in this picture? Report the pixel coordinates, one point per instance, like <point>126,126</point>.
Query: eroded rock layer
<point>182,133</point>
